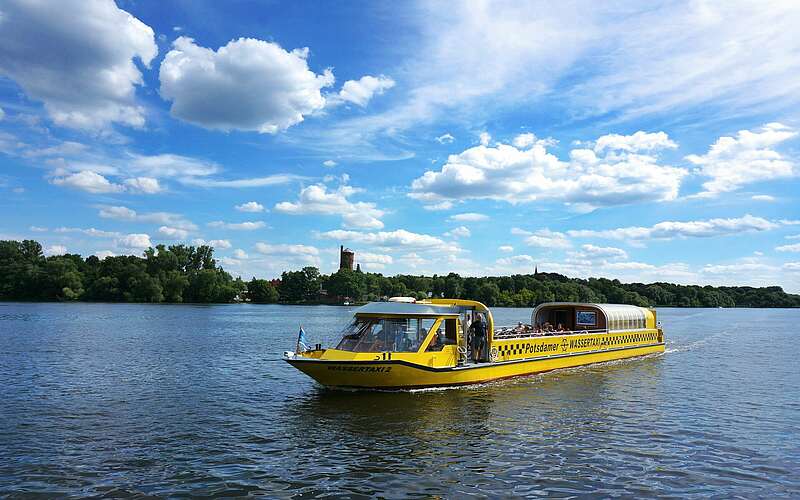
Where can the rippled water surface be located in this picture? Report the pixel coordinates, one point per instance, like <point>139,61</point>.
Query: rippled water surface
<point>138,400</point>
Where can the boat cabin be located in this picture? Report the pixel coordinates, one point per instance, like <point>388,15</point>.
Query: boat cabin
<point>400,327</point>
<point>591,318</point>
<point>405,327</point>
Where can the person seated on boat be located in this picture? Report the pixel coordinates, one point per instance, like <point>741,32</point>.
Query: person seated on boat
<point>560,328</point>
<point>374,341</point>
<point>437,342</point>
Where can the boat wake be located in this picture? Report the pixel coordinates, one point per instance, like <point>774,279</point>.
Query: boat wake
<point>691,346</point>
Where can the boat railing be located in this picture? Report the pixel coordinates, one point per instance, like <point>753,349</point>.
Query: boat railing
<point>514,332</point>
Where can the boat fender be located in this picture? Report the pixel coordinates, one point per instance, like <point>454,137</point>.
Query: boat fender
<point>288,354</point>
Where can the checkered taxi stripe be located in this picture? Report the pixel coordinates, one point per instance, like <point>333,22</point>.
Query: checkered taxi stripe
<point>554,345</point>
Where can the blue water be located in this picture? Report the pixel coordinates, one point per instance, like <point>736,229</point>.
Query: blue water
<point>137,400</point>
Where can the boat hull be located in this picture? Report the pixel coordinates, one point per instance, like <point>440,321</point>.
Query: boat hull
<point>401,374</point>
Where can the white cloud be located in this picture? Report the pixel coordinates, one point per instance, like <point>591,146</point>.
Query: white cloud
<point>38,229</point>
<point>631,266</point>
<point>95,233</point>
<point>240,254</point>
<point>283,249</point>
<point>593,252</point>
<point>789,248</point>
<point>516,260</point>
<point>442,205</point>
<point>688,229</point>
<point>329,163</point>
<point>237,226</point>
<point>248,84</point>
<point>736,268</point>
<point>250,206</point>
<point>616,61</point>
<point>763,197</point>
<point>67,148</point>
<point>127,214</point>
<point>469,217</point>
<point>168,165</point>
<point>676,57</point>
<point>373,258</point>
<point>173,233</point>
<point>792,266</point>
<point>134,241</point>
<point>459,232</point>
<point>93,182</point>
<point>316,199</point>
<point>361,91</point>
<point>525,140</point>
<point>147,185</point>
<point>413,260</point>
<point>732,162</point>
<point>506,248</point>
<point>485,138</point>
<point>77,59</point>
<point>506,173</point>
<point>212,243</point>
<point>269,180</point>
<point>119,213</point>
<point>639,141</point>
<point>88,181</point>
<point>102,254</point>
<point>397,238</point>
<point>55,250</point>
<point>543,238</point>
<point>445,138</point>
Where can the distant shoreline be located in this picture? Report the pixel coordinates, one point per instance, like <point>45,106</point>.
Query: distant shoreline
<point>329,304</point>
<point>186,274</point>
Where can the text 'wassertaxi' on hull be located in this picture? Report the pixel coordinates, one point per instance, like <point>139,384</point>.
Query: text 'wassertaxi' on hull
<point>404,344</point>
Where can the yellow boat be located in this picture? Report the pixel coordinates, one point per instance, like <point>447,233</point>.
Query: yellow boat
<point>407,344</point>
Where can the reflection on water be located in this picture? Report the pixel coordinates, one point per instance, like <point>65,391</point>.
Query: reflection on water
<point>175,400</point>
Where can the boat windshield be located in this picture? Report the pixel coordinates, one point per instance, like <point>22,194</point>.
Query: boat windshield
<point>385,334</point>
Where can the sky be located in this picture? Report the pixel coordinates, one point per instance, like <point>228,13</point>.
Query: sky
<point>653,141</point>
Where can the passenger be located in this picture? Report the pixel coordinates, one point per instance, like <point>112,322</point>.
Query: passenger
<point>560,328</point>
<point>437,342</point>
<point>478,336</point>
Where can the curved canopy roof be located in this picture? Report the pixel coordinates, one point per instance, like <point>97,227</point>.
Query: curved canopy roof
<point>618,316</point>
<point>407,309</point>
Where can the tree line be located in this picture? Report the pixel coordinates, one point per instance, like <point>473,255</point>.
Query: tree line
<point>181,273</point>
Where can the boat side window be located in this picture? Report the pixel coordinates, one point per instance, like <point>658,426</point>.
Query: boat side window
<point>416,330</point>
<point>354,333</point>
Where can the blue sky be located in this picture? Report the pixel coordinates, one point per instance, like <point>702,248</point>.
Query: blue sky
<point>644,143</point>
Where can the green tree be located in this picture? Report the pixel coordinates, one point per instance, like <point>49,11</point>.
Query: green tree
<point>262,291</point>
<point>346,284</point>
<point>300,286</point>
<point>487,293</point>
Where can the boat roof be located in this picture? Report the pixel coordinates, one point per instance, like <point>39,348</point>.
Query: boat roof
<point>408,309</point>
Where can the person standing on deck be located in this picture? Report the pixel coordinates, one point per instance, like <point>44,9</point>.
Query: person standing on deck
<point>478,336</point>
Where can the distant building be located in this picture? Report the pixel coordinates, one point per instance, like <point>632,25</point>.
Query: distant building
<point>347,258</point>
